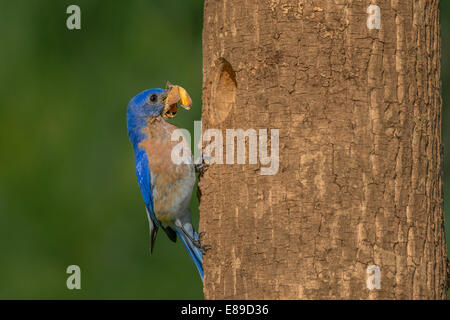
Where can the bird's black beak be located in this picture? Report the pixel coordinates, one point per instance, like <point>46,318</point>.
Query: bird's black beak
<point>164,96</point>
<point>170,106</point>
<point>164,100</point>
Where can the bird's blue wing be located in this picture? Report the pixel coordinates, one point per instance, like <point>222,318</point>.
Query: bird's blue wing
<point>144,177</point>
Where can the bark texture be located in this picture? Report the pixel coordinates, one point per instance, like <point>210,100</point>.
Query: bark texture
<point>359,183</point>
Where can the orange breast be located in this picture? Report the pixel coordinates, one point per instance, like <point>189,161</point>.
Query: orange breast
<point>172,182</point>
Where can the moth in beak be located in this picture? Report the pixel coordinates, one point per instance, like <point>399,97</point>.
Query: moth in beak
<point>175,95</point>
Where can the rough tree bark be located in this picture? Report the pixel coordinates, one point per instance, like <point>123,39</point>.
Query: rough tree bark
<point>359,183</point>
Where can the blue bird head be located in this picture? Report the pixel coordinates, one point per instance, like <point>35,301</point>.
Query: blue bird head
<point>147,104</point>
<point>153,103</point>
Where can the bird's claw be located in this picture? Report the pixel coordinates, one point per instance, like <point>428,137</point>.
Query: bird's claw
<point>201,167</point>
<point>203,248</point>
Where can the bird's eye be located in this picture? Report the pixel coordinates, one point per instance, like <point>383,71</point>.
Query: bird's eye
<point>153,98</point>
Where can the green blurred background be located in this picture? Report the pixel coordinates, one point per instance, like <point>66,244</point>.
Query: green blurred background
<point>68,190</point>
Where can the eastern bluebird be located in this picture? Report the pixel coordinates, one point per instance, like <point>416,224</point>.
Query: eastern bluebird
<point>166,186</point>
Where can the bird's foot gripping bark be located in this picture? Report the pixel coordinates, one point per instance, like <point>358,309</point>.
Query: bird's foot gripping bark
<point>196,242</point>
<point>201,167</point>
<point>203,248</point>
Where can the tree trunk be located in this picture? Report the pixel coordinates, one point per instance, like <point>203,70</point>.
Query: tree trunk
<point>357,103</point>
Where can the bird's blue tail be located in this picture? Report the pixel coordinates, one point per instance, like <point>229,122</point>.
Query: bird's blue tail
<point>194,252</point>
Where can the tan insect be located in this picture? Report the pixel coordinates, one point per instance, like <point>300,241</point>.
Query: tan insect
<point>176,95</point>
